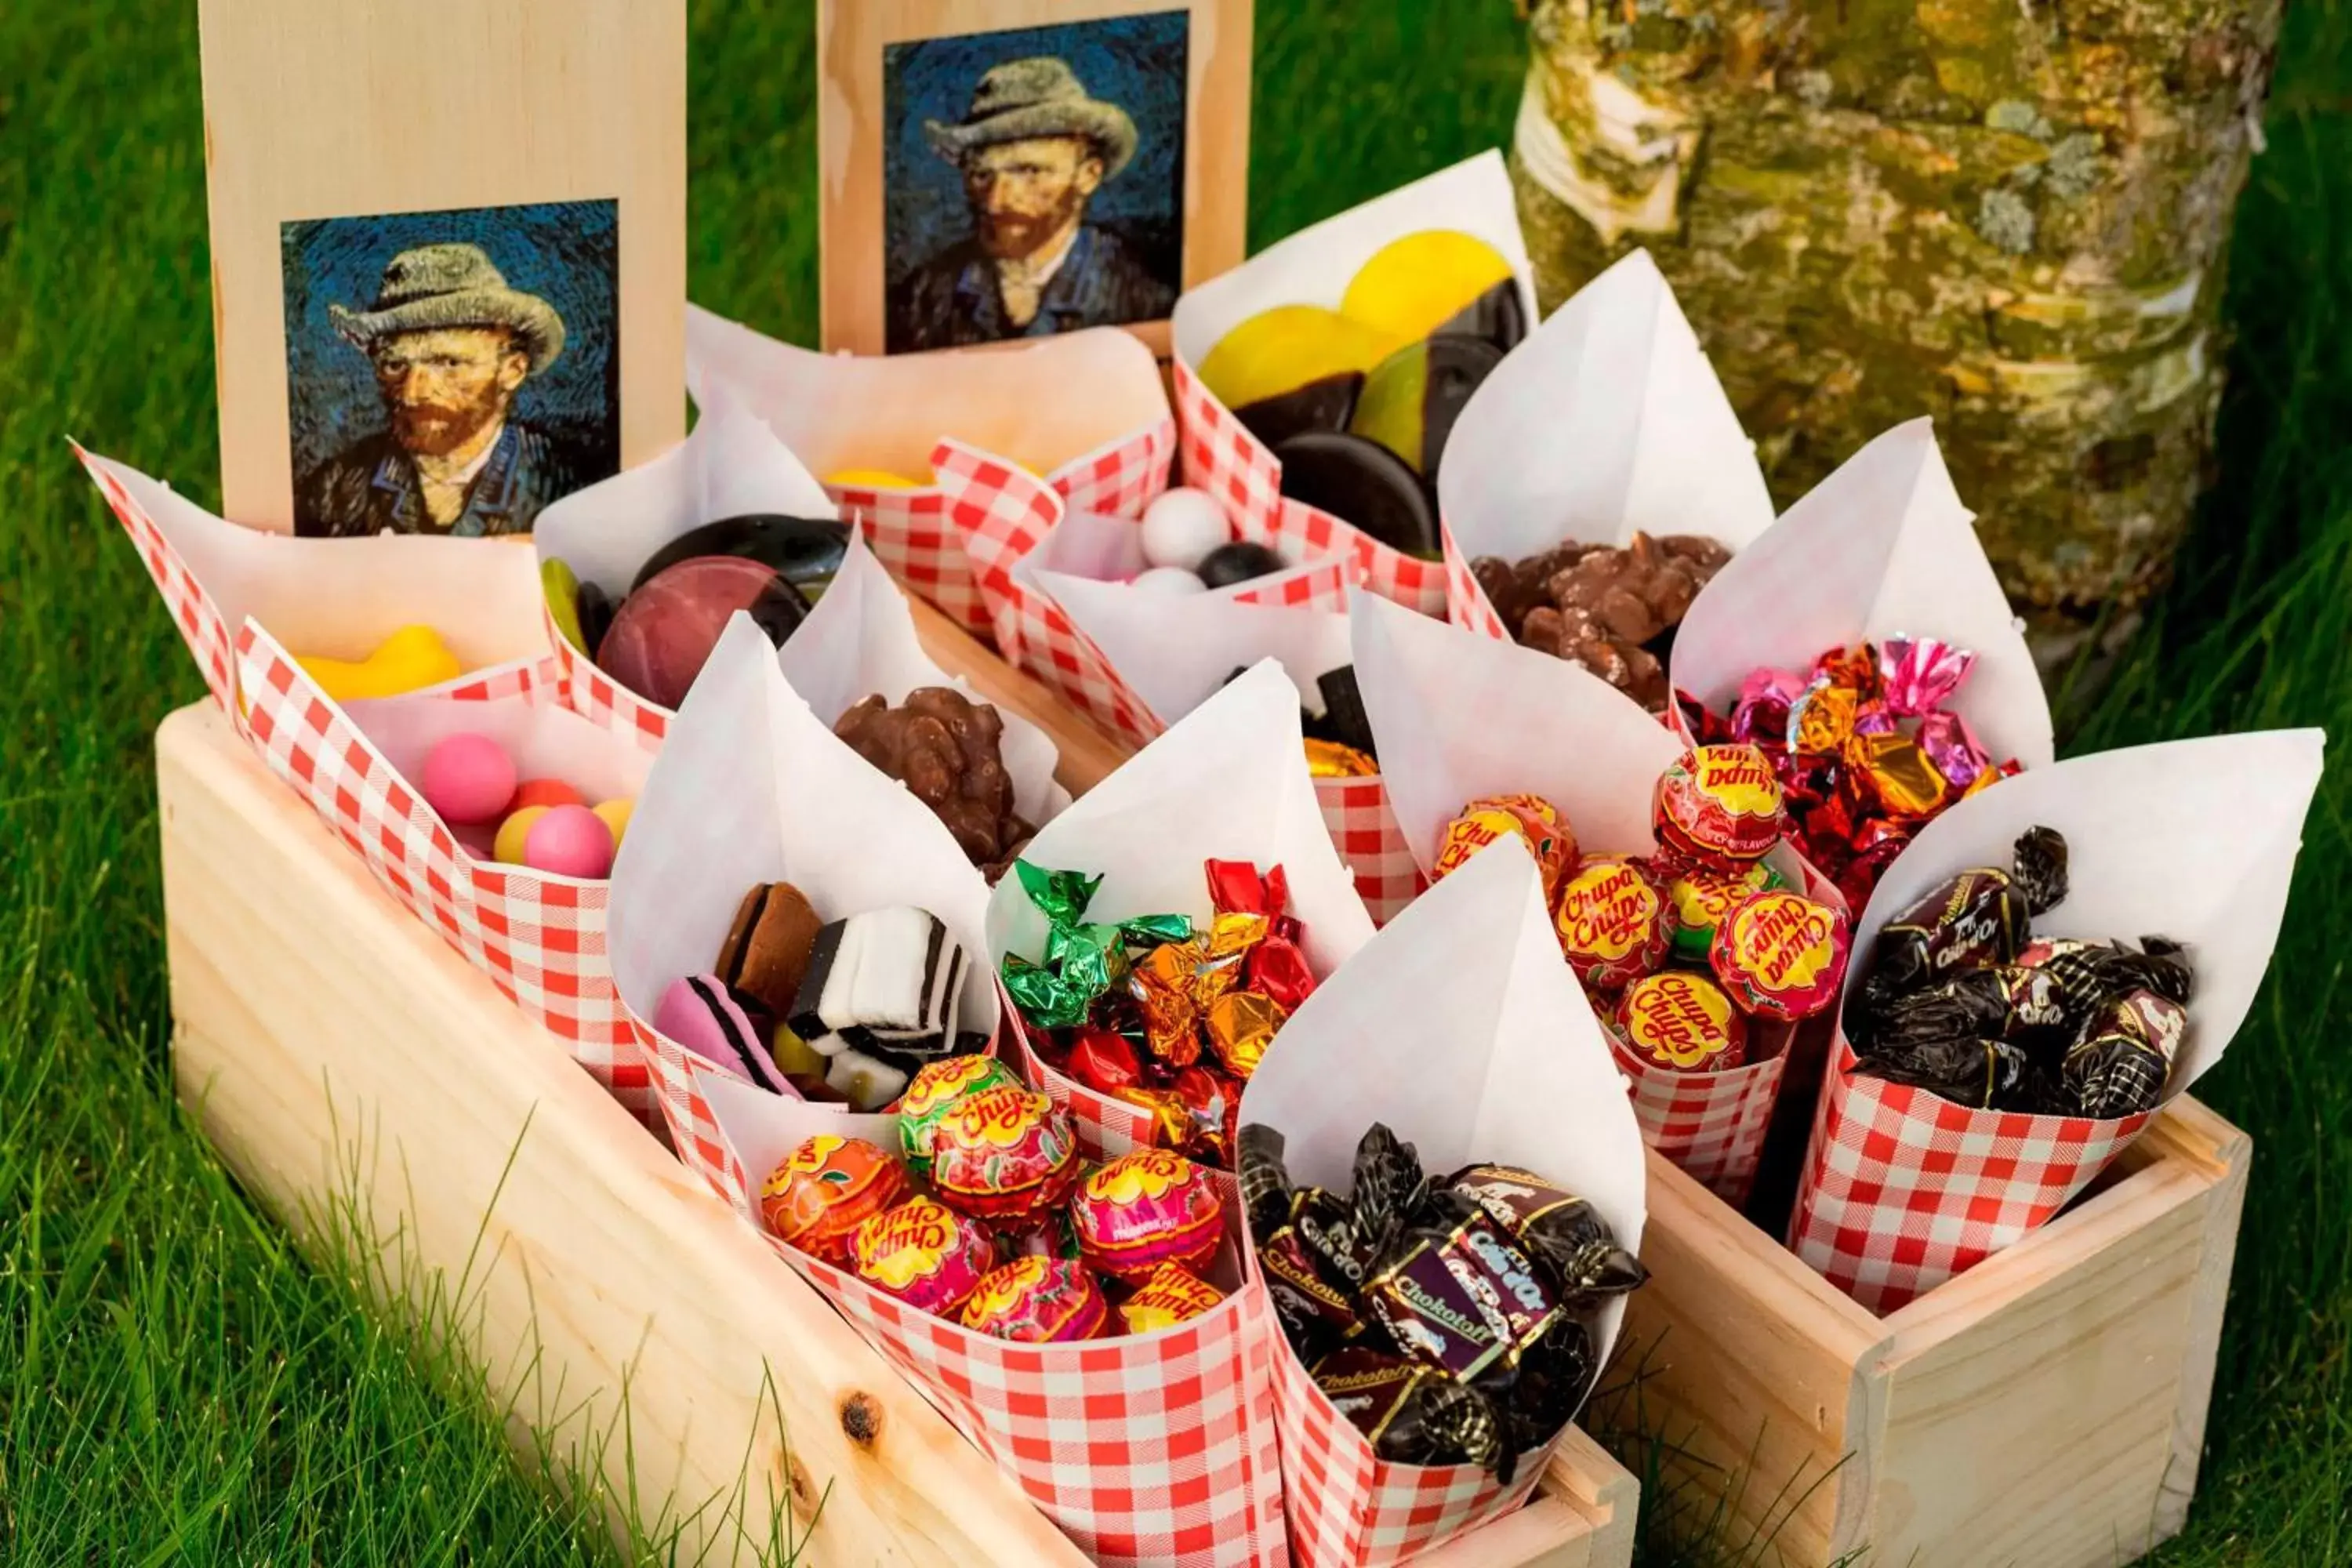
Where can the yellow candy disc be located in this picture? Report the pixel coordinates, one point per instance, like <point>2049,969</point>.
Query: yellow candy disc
<point>873,480</point>
<point>1283,349</point>
<point>1415,284</point>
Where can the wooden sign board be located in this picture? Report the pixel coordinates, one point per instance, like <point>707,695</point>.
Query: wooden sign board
<point>448,245</point>
<point>991,169</point>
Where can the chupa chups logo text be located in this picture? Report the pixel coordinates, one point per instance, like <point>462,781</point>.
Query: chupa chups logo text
<point>999,1117</point>
<point>1670,1015</point>
<point>1604,910</point>
<point>905,1243</point>
<point>1786,938</point>
<point>1740,779</point>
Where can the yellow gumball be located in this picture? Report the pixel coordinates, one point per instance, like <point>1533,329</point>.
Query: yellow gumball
<point>408,660</point>
<point>617,814</point>
<point>508,849</point>
<point>1418,282</point>
<point>873,480</point>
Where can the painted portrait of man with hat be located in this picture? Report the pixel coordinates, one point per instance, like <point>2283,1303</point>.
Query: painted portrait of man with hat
<point>450,344</point>
<point>1032,151</point>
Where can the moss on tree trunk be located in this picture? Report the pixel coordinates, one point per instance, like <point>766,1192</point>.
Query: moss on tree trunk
<point>2010,214</point>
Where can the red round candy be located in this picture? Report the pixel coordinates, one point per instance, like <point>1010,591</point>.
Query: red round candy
<point>1004,1154</point>
<point>823,1191</point>
<point>546,792</point>
<point>924,1253</point>
<point>664,632</point>
<point>1719,805</point>
<point>1682,1022</point>
<point>468,778</point>
<point>1038,1301</point>
<point>1144,1209</point>
<point>1613,923</point>
<point>1779,955</point>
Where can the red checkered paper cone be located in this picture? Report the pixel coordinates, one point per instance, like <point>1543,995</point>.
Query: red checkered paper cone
<point>1085,411</point>
<point>1460,717</point>
<point>730,465</point>
<point>540,937</point>
<point>1881,548</point>
<point>1606,420</point>
<point>1227,782</point>
<point>1461,1027</point>
<point>336,598</point>
<point>2194,840</point>
<point>1313,267</point>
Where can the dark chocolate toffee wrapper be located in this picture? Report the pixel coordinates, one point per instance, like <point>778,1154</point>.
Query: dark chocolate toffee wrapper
<point>1562,1230</point>
<point>1982,916</point>
<point>1413,1414</point>
<point>2125,1053</point>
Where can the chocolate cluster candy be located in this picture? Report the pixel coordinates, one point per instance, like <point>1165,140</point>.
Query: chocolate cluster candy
<point>1964,1002</point>
<point>1449,1320</point>
<point>949,750</point>
<point>1155,1012</point>
<point>1612,609</point>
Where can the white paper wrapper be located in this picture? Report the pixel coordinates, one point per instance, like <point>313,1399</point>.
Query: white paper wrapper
<point>1459,716</point>
<point>752,787</point>
<point>1606,419</point>
<point>860,640</point>
<point>1460,1027</point>
<point>2195,841</point>
<point>1881,547</point>
<point>1227,782</point>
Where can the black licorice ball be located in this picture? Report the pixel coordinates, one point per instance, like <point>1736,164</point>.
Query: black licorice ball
<point>1358,480</point>
<point>1238,563</point>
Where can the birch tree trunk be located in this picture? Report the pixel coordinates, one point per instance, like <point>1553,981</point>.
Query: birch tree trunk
<point>2010,214</point>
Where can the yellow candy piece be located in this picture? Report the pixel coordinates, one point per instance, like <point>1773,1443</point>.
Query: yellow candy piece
<point>1285,348</point>
<point>508,849</point>
<point>409,659</point>
<point>1415,284</point>
<point>561,586</point>
<point>873,480</point>
<point>617,814</point>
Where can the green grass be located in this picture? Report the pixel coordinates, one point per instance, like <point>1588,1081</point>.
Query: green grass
<point>176,1386</point>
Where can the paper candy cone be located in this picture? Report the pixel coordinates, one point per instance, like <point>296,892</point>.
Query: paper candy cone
<point>1313,267</point>
<point>1459,716</point>
<point>1461,1027</point>
<point>332,597</point>
<point>1153,1449</point>
<point>1606,420</point>
<point>2195,841</point>
<point>730,464</point>
<point>1227,782</point>
<point>1085,410</point>
<point>1882,547</point>
<point>539,937</point>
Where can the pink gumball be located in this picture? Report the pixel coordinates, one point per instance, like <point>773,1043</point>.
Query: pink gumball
<point>570,841</point>
<point>468,778</point>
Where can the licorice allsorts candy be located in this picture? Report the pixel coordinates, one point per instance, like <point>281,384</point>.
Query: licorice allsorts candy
<point>886,981</point>
<point>716,1023</point>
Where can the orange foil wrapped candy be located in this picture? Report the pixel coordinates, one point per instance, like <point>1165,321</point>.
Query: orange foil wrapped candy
<point>1004,1154</point>
<point>1172,1295</point>
<point>1781,956</point>
<point>924,1253</point>
<point>1144,1209</point>
<point>1241,1024</point>
<point>1682,1022</point>
<point>815,1199</point>
<point>1719,805</point>
<point>1894,775</point>
<point>1612,923</point>
<point>1483,821</point>
<point>1330,759</point>
<point>1038,1301</point>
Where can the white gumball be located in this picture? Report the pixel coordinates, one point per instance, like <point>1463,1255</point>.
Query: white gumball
<point>1170,580</point>
<point>1183,526</point>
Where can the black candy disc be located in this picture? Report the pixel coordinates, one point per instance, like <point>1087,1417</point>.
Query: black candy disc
<point>1323,405</point>
<point>1238,563</point>
<point>1498,316</point>
<point>805,550</point>
<point>1362,482</point>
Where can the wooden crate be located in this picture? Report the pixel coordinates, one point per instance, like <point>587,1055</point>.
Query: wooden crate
<point>338,1053</point>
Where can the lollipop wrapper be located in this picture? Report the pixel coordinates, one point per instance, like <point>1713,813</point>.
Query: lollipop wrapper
<point>1062,1420</point>
<point>1086,411</point>
<point>1881,547</point>
<point>1459,716</point>
<point>2194,840</point>
<point>1227,782</point>
<point>730,464</point>
<point>1312,267</point>
<point>1607,419</point>
<point>335,598</point>
<point>1461,1027</point>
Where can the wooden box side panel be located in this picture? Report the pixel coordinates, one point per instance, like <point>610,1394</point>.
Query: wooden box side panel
<point>2034,1409</point>
<point>338,1052</point>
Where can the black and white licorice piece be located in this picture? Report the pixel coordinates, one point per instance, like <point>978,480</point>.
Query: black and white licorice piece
<point>885,983</point>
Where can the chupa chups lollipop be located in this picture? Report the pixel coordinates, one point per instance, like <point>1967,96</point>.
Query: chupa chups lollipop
<point>806,551</point>
<point>1548,836</point>
<point>1682,1022</point>
<point>1037,1300</point>
<point>934,1092</point>
<point>1146,1208</point>
<point>1172,1295</point>
<point>948,750</point>
<point>1781,956</point>
<point>1719,805</point>
<point>1612,923</point>
<point>664,631</point>
<point>1700,896</point>
<point>1004,1154</point>
<point>925,1254</point>
<point>819,1194</point>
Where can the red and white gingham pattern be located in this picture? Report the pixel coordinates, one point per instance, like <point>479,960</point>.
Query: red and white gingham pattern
<point>1347,1505</point>
<point>1903,1189</point>
<point>1370,844</point>
<point>1107,1127</point>
<point>596,696</point>
<point>1158,1449</point>
<point>911,534</point>
<point>539,938</point>
<point>198,619</point>
<point>1222,456</point>
<point>1710,1124</point>
<point>1466,604</point>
